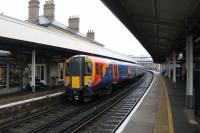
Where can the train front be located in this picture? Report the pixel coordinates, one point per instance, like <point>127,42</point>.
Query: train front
<point>78,78</point>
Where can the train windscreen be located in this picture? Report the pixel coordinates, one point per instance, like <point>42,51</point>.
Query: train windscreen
<point>75,69</point>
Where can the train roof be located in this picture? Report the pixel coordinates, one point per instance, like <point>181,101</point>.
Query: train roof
<point>106,60</point>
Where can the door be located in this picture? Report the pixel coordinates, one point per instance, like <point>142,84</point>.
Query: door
<point>88,74</point>
<point>40,73</point>
<point>115,73</point>
<point>76,73</point>
<point>2,76</point>
<point>197,92</point>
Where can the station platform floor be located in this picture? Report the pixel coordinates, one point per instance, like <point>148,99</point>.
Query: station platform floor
<point>28,94</point>
<point>162,110</point>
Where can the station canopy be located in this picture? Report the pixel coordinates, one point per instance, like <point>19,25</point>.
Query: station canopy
<point>161,26</point>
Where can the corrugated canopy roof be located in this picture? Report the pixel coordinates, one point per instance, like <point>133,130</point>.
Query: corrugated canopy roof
<point>160,25</point>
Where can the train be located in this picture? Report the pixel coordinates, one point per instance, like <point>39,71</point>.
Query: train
<point>88,76</point>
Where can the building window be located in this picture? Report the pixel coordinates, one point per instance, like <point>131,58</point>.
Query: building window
<point>67,69</point>
<point>40,73</point>
<point>2,76</point>
<point>14,75</point>
<point>29,71</point>
<point>60,71</point>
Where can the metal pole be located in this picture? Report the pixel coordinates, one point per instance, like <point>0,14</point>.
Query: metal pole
<point>169,69</point>
<point>174,70</point>
<point>164,69</point>
<point>186,66</point>
<point>160,68</point>
<point>189,90</point>
<point>33,71</point>
<point>7,75</point>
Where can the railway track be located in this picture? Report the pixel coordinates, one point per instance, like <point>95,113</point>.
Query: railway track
<point>76,118</point>
<point>110,118</point>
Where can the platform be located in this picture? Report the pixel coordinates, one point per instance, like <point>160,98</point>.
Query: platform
<point>28,94</point>
<point>162,110</point>
<point>18,105</point>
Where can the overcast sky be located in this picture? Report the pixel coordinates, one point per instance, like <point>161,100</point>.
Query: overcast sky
<point>93,15</point>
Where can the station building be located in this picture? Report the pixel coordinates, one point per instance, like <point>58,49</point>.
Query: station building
<point>16,63</point>
<point>147,62</point>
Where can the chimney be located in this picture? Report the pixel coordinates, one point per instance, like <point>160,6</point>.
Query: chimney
<point>91,34</point>
<point>49,9</point>
<point>73,22</point>
<point>33,14</point>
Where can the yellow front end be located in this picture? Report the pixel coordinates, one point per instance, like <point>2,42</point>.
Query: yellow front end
<point>75,82</point>
<point>78,78</point>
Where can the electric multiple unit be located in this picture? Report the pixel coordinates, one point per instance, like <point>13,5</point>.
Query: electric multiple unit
<point>88,76</point>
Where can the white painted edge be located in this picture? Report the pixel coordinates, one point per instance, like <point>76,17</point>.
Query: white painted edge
<point>30,100</point>
<point>123,125</point>
<point>25,31</point>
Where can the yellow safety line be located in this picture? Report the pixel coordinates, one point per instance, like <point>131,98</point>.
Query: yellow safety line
<point>170,120</point>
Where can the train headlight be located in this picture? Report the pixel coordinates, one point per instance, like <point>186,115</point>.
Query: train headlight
<point>89,83</point>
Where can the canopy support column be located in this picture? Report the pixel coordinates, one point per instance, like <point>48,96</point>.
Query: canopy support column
<point>189,81</point>
<point>33,71</point>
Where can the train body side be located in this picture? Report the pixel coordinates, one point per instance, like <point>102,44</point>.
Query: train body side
<point>104,74</point>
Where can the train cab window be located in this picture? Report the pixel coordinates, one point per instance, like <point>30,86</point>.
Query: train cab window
<point>67,69</point>
<point>88,68</point>
<point>75,68</point>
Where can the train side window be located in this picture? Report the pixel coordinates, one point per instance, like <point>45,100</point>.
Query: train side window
<point>67,69</point>
<point>97,68</point>
<point>101,71</point>
<point>108,70</point>
<point>127,70</point>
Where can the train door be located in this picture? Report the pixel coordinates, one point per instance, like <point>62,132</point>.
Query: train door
<point>131,71</point>
<point>101,71</point>
<point>115,73</point>
<point>134,71</point>
<point>76,73</point>
<point>97,73</point>
<point>88,74</point>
